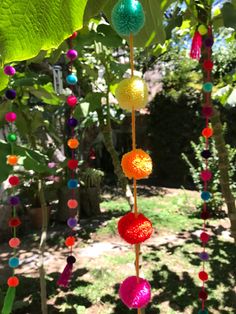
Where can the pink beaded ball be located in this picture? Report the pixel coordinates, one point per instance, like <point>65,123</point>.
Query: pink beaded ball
<point>10,116</point>
<point>135,294</point>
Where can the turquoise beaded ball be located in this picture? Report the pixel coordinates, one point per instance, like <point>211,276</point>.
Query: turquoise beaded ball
<point>207,87</point>
<point>203,311</point>
<point>71,79</point>
<point>14,262</point>
<point>128,17</point>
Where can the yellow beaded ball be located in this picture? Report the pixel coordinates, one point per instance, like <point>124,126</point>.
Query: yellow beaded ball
<point>132,93</point>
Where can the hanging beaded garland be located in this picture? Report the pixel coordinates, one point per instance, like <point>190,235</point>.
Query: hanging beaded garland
<point>132,93</point>
<point>14,201</point>
<point>206,39</point>
<point>72,164</point>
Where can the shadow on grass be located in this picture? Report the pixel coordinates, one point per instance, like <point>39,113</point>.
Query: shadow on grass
<point>179,289</point>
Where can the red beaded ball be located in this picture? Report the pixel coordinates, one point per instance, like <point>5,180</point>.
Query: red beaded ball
<point>74,35</point>
<point>70,241</point>
<point>202,295</point>
<point>13,281</point>
<point>14,180</point>
<point>72,164</point>
<point>135,229</point>
<point>208,65</point>
<point>204,237</point>
<point>71,100</point>
<point>203,276</point>
<point>207,111</point>
<point>14,222</point>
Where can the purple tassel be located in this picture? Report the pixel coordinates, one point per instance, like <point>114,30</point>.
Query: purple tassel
<point>65,276</point>
<point>195,52</point>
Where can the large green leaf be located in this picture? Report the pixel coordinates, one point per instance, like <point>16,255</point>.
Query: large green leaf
<point>4,79</point>
<point>28,26</point>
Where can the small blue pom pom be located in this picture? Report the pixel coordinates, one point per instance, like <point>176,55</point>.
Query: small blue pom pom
<point>128,17</point>
<point>71,79</point>
<point>14,262</point>
<point>205,195</point>
<point>72,184</point>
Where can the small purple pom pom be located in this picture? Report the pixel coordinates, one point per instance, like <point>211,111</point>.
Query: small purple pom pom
<point>209,42</point>
<point>14,200</point>
<point>135,294</point>
<point>72,122</point>
<point>72,222</point>
<point>10,94</point>
<point>72,54</point>
<point>204,256</point>
<point>9,70</point>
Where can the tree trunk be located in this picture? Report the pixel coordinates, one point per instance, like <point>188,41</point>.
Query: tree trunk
<point>42,245</point>
<point>224,170</point>
<point>123,181</point>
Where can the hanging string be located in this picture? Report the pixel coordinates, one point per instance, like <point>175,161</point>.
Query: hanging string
<point>72,184</point>
<point>207,132</point>
<point>137,246</point>
<point>14,200</point>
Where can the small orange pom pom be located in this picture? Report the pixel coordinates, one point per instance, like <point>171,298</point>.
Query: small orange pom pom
<point>70,241</point>
<point>12,160</point>
<point>73,143</point>
<point>13,281</point>
<point>207,132</point>
<point>136,164</point>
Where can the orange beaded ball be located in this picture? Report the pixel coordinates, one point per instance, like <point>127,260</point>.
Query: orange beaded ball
<point>136,164</point>
<point>73,143</point>
<point>207,132</point>
<point>12,160</point>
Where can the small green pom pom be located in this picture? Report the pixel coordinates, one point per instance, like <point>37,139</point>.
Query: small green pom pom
<point>128,17</point>
<point>203,312</point>
<point>202,29</point>
<point>11,137</point>
<point>207,87</point>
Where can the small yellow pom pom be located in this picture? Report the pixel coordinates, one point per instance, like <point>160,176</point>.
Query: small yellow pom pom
<point>136,164</point>
<point>202,29</point>
<point>132,93</point>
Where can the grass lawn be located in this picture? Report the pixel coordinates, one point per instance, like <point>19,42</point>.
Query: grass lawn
<point>169,261</point>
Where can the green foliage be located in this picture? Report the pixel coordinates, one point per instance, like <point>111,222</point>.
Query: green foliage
<point>26,27</point>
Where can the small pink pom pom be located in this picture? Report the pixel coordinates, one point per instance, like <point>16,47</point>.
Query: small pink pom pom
<point>135,294</point>
<point>10,116</point>
<point>72,54</point>
<point>206,175</point>
<point>9,70</point>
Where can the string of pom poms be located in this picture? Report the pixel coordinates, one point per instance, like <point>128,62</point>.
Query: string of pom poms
<point>72,164</point>
<point>132,93</point>
<point>205,37</point>
<point>14,200</point>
